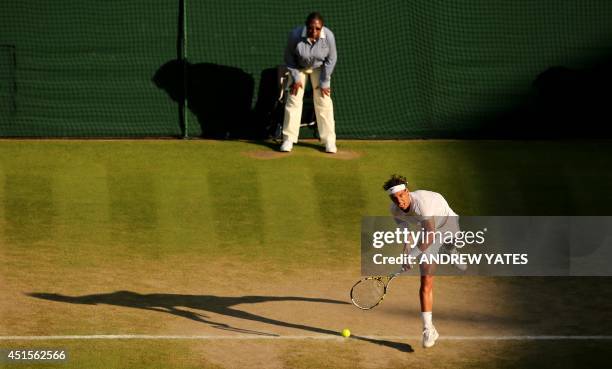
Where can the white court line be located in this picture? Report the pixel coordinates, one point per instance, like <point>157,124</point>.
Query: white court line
<point>305,337</point>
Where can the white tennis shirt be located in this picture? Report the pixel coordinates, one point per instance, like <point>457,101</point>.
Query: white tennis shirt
<point>424,205</point>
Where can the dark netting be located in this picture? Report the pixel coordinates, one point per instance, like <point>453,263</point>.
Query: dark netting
<point>85,68</point>
<point>423,68</point>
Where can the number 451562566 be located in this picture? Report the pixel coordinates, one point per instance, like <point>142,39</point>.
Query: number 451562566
<point>36,355</point>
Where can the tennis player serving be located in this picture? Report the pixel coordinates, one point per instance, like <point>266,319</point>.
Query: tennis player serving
<point>429,211</point>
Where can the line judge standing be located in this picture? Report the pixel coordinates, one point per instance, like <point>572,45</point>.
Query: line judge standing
<point>310,52</point>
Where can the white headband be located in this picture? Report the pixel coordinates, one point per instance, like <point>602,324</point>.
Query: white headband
<point>396,189</point>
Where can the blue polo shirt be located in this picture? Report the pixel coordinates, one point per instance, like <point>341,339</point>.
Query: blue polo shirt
<point>300,53</point>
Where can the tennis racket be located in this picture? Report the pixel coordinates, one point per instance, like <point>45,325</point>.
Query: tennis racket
<point>369,292</point>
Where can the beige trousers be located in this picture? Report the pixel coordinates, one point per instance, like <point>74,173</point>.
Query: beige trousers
<point>324,110</point>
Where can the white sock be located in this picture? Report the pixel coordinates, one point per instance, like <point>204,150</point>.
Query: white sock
<point>426,315</point>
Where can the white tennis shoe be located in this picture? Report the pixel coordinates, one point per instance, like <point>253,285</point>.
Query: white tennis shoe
<point>331,148</point>
<point>287,146</point>
<point>430,335</point>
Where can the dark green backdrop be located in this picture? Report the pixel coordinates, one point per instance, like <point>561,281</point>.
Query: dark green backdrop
<point>420,68</point>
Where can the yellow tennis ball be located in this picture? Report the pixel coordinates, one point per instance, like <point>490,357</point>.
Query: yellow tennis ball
<point>346,332</point>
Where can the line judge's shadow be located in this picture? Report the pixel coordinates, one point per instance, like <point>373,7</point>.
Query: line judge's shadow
<point>172,304</point>
<point>219,96</point>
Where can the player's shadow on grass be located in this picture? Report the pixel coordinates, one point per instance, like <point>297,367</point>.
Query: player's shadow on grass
<point>174,304</point>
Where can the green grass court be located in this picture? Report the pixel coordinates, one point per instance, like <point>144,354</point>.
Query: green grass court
<point>191,231</point>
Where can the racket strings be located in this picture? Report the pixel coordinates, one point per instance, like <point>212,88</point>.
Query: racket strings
<point>368,293</point>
